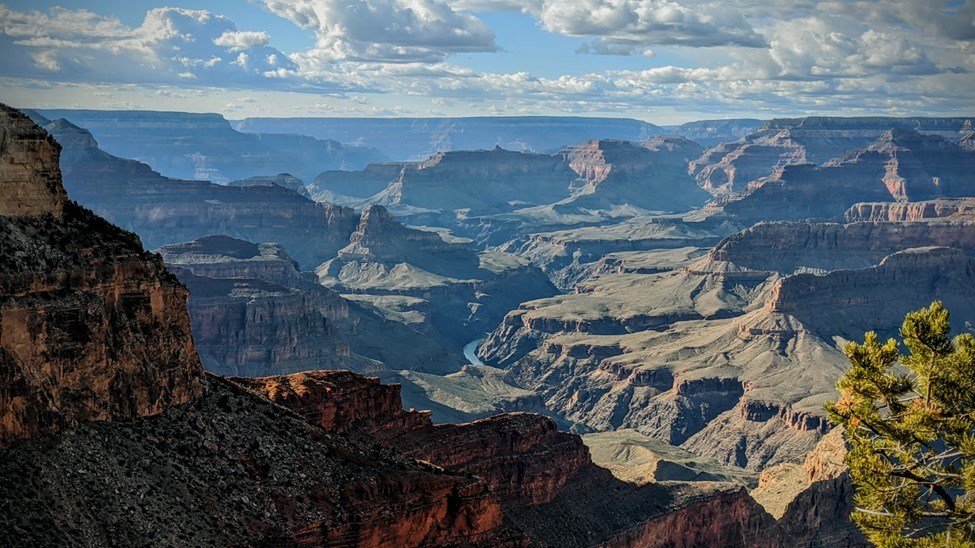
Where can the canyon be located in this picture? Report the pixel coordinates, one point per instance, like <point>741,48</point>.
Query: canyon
<point>154,449</point>
<point>681,307</point>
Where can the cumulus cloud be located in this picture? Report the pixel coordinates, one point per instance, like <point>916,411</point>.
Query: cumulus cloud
<point>786,56</point>
<point>170,45</point>
<point>384,30</point>
<point>649,22</point>
<point>237,40</point>
<point>820,48</point>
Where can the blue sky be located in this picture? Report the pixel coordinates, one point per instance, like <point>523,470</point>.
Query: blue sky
<point>665,61</point>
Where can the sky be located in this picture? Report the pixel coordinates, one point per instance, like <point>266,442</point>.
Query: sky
<point>662,61</point>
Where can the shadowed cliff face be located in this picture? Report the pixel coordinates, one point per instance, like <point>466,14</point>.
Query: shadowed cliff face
<point>900,165</point>
<point>91,326</point>
<point>167,211</point>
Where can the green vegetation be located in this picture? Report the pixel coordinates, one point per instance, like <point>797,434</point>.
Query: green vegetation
<point>910,423</point>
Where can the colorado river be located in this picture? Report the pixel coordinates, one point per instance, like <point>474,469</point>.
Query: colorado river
<point>470,351</point>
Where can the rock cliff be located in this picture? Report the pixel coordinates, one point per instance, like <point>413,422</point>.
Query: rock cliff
<point>731,166</point>
<point>651,175</point>
<point>961,209</point>
<point>166,211</point>
<point>480,180</point>
<point>812,501</point>
<point>548,488</point>
<point>900,165</point>
<point>254,313</point>
<point>445,289</point>
<point>91,326</point>
<point>713,356</point>
<point>28,168</point>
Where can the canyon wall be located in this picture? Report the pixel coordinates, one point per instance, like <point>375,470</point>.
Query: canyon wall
<point>92,327</point>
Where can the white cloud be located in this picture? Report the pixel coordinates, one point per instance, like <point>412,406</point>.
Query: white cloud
<point>237,40</point>
<point>170,45</point>
<point>648,22</point>
<point>383,30</point>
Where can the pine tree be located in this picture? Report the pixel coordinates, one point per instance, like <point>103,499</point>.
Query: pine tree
<point>909,421</point>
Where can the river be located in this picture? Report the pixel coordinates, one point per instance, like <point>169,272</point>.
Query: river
<point>470,351</point>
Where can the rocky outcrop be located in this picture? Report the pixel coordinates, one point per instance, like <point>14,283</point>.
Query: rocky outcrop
<point>901,165</point>
<point>459,293</point>
<point>28,168</point>
<point>166,211</point>
<point>342,401</point>
<point>836,303</point>
<point>480,180</point>
<point>651,175</point>
<point>231,468</point>
<point>546,483</point>
<point>254,313</point>
<point>91,326</point>
<point>285,180</point>
<point>960,209</point>
<point>730,167</point>
<point>789,247</point>
<point>812,502</point>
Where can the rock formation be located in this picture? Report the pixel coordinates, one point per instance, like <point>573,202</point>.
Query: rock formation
<point>482,181</point>
<point>547,485</point>
<point>962,209</point>
<point>91,326</point>
<point>285,180</point>
<point>28,168</point>
<point>651,175</point>
<point>900,165</point>
<point>167,211</point>
<point>444,289</point>
<point>714,356</point>
<point>206,147</point>
<point>731,166</point>
<point>812,501</point>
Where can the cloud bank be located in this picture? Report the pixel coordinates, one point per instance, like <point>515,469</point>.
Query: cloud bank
<point>784,56</point>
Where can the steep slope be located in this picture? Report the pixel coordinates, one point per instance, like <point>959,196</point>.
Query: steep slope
<point>254,313</point>
<point>166,211</point>
<point>547,485</point>
<point>445,289</point>
<point>91,326</point>
<point>482,181</point>
<point>731,166</point>
<point>901,165</point>
<point>651,175</point>
<point>962,209</point>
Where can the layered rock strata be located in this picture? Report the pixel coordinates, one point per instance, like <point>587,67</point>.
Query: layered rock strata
<point>166,211</point>
<point>91,326</point>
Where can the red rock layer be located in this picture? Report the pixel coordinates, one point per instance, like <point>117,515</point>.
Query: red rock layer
<point>341,401</point>
<point>91,326</point>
